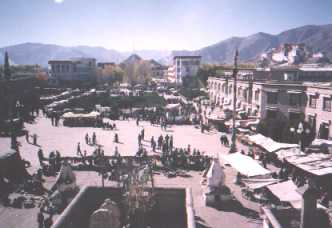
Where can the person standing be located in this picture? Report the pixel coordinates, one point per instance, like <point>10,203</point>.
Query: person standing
<point>142,134</point>
<point>48,222</point>
<point>94,138</point>
<point>40,219</point>
<point>139,140</point>
<point>27,136</point>
<point>171,142</point>
<point>40,157</point>
<point>116,138</point>
<point>78,152</point>
<point>34,139</point>
<point>87,138</point>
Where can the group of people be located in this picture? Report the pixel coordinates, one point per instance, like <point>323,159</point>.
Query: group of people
<point>34,138</point>
<point>54,162</point>
<point>55,119</point>
<point>89,140</point>
<point>109,126</point>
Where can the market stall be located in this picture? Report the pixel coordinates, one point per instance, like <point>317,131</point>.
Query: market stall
<point>285,191</point>
<point>245,165</point>
<point>268,144</point>
<point>91,119</point>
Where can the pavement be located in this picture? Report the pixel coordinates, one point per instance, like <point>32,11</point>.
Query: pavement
<point>65,139</point>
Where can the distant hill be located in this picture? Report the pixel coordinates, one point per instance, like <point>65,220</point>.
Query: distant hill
<point>317,37</point>
<point>37,53</point>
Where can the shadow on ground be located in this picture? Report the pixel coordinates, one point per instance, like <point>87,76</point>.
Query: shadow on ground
<point>200,223</point>
<point>236,207</point>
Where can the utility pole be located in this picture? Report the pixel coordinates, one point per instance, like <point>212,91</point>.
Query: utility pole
<point>235,71</point>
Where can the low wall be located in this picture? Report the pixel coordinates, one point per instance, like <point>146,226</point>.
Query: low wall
<point>174,207</point>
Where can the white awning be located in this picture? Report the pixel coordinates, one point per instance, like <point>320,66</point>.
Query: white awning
<point>245,165</point>
<point>284,153</point>
<point>269,144</point>
<point>294,91</point>
<point>256,183</point>
<point>316,163</point>
<point>285,191</point>
<point>271,90</point>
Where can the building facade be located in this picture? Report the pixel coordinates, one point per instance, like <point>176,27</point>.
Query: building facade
<point>319,108</point>
<point>74,70</point>
<point>159,72</point>
<point>185,67</point>
<point>293,101</point>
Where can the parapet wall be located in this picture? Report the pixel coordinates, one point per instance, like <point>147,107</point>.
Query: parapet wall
<point>174,207</point>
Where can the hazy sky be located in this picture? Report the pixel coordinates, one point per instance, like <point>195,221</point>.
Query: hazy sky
<point>152,24</point>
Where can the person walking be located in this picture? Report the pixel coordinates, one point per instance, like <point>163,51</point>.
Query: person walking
<point>87,138</point>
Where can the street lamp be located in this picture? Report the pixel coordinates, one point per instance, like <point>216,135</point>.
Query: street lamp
<point>18,107</point>
<point>300,132</point>
<point>235,71</point>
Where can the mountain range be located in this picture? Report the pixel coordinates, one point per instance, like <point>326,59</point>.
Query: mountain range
<point>317,37</point>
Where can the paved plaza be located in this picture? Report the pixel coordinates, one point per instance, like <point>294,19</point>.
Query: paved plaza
<point>65,140</point>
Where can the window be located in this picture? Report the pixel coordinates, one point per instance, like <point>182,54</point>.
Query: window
<point>327,104</point>
<point>272,98</point>
<point>256,95</point>
<point>294,100</point>
<point>312,101</point>
<point>230,90</point>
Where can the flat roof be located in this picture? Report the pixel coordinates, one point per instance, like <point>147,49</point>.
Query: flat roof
<point>187,56</point>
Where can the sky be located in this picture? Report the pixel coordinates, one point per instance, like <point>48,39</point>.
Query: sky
<point>127,25</point>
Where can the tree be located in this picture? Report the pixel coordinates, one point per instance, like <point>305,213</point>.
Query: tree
<point>137,72</point>
<point>205,71</point>
<point>7,67</point>
<point>110,74</point>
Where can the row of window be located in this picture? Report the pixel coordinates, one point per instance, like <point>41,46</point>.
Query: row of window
<point>327,102</point>
<point>295,100</point>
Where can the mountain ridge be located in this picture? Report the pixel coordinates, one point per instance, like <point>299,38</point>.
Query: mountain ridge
<point>317,37</point>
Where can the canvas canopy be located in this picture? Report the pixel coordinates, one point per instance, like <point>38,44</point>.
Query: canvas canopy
<point>316,163</point>
<point>256,183</point>
<point>285,191</point>
<point>245,165</point>
<point>269,144</point>
<point>285,153</point>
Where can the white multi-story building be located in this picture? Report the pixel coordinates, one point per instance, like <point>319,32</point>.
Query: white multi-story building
<point>185,67</point>
<point>73,70</point>
<point>294,101</point>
